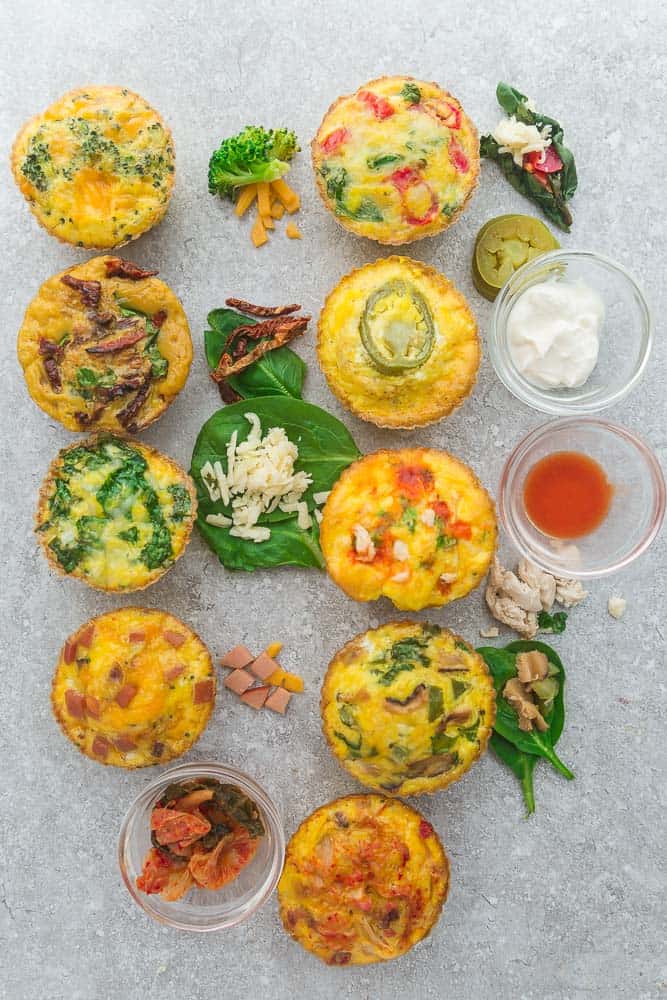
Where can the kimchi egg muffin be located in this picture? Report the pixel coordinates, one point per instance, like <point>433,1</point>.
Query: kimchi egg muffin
<point>133,687</point>
<point>365,879</point>
<point>397,160</point>
<point>407,708</point>
<point>398,343</point>
<point>105,345</point>
<point>114,513</point>
<point>413,525</point>
<point>97,167</point>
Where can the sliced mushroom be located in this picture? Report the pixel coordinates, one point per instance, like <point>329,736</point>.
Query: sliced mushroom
<point>459,715</point>
<point>450,663</point>
<point>418,697</point>
<point>521,700</point>
<point>429,767</point>
<point>531,666</point>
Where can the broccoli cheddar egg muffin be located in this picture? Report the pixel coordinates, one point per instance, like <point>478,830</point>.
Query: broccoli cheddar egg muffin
<point>413,525</point>
<point>133,687</point>
<point>407,707</point>
<point>365,879</point>
<point>105,345</point>
<point>398,343</point>
<point>114,513</point>
<point>397,160</point>
<point>97,167</point>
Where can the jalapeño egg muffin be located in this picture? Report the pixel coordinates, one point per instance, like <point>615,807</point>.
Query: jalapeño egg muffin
<point>114,513</point>
<point>97,167</point>
<point>413,525</point>
<point>133,687</point>
<point>397,160</point>
<point>365,879</point>
<point>105,345</point>
<point>398,343</point>
<point>407,708</point>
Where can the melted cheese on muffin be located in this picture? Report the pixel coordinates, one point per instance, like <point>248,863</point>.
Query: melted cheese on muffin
<point>398,343</point>
<point>114,513</point>
<point>413,525</point>
<point>365,879</point>
<point>407,708</point>
<point>133,687</point>
<point>97,167</point>
<point>397,160</point>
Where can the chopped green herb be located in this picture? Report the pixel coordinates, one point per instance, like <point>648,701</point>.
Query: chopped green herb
<point>182,504</point>
<point>552,623</point>
<point>376,162</point>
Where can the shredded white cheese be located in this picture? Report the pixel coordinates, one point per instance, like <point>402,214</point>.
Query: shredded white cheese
<point>518,138</point>
<point>321,498</point>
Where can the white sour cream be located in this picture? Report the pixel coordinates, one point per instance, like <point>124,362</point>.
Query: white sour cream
<point>553,333</point>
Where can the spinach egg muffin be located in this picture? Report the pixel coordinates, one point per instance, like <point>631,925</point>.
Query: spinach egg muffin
<point>97,167</point>
<point>365,879</point>
<point>407,708</point>
<point>133,687</point>
<point>114,513</point>
<point>398,343</point>
<point>397,160</point>
<point>413,525</point>
<point>105,345</point>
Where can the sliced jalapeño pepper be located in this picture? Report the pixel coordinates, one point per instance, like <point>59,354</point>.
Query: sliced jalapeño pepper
<point>396,327</point>
<point>503,245</point>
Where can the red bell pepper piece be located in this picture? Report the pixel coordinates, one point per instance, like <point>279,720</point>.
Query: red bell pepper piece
<point>409,177</point>
<point>458,157</point>
<point>380,106</point>
<point>551,163</point>
<point>335,140</point>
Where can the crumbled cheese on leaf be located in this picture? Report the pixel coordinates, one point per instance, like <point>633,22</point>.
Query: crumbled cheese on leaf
<point>519,139</point>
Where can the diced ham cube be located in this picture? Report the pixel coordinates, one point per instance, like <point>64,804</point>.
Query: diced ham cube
<point>86,637</point>
<point>76,703</point>
<point>278,700</point>
<point>124,744</point>
<point>126,694</point>
<point>92,706</point>
<point>136,637</point>
<point>173,672</point>
<point>239,681</point>
<point>239,656</point>
<point>69,652</point>
<point>263,666</point>
<point>101,747</point>
<point>175,639</point>
<point>255,697</point>
<point>204,691</point>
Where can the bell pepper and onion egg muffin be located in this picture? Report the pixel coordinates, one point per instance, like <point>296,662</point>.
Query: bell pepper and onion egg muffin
<point>397,160</point>
<point>407,707</point>
<point>96,168</point>
<point>133,687</point>
<point>105,345</point>
<point>114,513</point>
<point>365,879</point>
<point>398,343</point>
<point>414,525</point>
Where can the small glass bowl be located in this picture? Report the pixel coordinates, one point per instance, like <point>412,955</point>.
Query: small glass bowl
<point>626,334</point>
<point>635,515</point>
<point>204,909</point>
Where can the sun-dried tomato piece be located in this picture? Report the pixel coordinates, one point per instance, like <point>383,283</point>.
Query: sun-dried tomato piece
<point>133,336</point>
<point>253,310</point>
<point>90,291</point>
<point>119,268</point>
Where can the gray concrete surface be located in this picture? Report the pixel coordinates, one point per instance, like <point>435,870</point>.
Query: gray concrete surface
<point>568,905</point>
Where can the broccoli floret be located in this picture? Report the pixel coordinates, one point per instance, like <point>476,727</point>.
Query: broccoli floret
<point>256,154</point>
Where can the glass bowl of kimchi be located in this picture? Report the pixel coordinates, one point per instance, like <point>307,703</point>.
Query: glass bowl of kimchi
<point>202,847</point>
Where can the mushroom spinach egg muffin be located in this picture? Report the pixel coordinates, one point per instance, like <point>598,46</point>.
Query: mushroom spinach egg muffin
<point>115,513</point>
<point>398,343</point>
<point>105,345</point>
<point>97,167</point>
<point>413,525</point>
<point>133,687</point>
<point>407,708</point>
<point>365,879</point>
<point>397,160</point>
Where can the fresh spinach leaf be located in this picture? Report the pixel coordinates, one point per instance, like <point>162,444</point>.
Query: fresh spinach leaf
<point>89,531</point>
<point>131,535</point>
<point>158,549</point>
<point>522,764</point>
<point>69,556</point>
<point>60,500</point>
<point>367,211</point>
<point>335,179</point>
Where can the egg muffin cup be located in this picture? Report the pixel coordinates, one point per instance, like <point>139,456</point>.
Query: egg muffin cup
<point>385,391</point>
<point>133,687</point>
<point>96,167</point>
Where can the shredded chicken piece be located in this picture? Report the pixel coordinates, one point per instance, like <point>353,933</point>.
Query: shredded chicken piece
<point>515,598</point>
<point>504,608</point>
<point>524,596</point>
<point>569,593</point>
<point>489,633</point>
<point>521,700</point>
<point>537,579</point>
<point>363,544</point>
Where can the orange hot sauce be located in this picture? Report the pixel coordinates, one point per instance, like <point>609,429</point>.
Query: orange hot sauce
<point>567,494</point>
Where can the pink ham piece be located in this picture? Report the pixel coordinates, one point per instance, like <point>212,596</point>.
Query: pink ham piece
<point>136,637</point>
<point>173,672</point>
<point>124,744</point>
<point>278,700</point>
<point>76,703</point>
<point>239,656</point>
<point>255,697</point>
<point>204,691</point>
<point>100,747</point>
<point>92,706</point>
<point>263,667</point>
<point>86,637</point>
<point>69,651</point>
<point>239,681</point>
<point>126,694</point>
<point>175,639</point>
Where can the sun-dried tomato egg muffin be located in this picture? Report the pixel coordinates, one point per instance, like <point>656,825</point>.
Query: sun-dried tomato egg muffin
<point>114,513</point>
<point>105,345</point>
<point>407,708</point>
<point>97,167</point>
<point>133,687</point>
<point>397,160</point>
<point>398,343</point>
<point>413,525</point>
<point>365,879</point>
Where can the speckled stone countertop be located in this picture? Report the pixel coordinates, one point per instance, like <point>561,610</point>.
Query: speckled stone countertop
<point>570,904</point>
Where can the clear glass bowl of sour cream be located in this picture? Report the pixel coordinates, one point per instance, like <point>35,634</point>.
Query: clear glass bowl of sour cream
<point>544,325</point>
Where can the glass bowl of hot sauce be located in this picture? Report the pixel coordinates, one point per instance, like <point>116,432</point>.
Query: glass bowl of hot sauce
<point>582,497</point>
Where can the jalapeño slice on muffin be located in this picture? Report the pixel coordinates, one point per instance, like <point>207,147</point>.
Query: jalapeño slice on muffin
<point>105,345</point>
<point>413,525</point>
<point>365,879</point>
<point>114,513</point>
<point>407,708</point>
<point>97,167</point>
<point>397,160</point>
<point>133,687</point>
<point>398,343</point>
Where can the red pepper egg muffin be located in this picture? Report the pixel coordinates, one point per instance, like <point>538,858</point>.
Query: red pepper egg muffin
<point>365,879</point>
<point>397,160</point>
<point>413,525</point>
<point>133,687</point>
<point>105,345</point>
<point>96,168</point>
